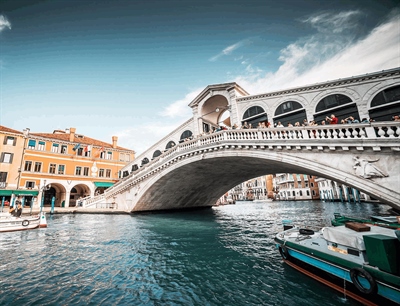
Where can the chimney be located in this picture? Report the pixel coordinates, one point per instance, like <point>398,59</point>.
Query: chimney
<point>72,134</point>
<point>114,141</point>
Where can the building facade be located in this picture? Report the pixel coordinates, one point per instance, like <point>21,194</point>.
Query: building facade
<point>291,186</point>
<point>60,167</point>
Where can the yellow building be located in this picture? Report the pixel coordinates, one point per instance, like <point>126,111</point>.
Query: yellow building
<point>11,151</point>
<point>66,166</point>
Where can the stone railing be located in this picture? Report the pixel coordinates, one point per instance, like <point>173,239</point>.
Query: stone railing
<point>339,133</point>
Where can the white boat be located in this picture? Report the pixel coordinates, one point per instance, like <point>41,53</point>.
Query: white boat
<point>359,260</point>
<point>9,223</point>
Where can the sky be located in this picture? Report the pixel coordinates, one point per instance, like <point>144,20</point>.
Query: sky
<point>130,68</point>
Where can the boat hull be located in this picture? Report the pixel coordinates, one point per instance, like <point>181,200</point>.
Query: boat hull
<point>11,224</point>
<point>382,285</point>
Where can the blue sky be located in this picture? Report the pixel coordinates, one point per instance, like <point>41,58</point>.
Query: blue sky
<point>130,68</point>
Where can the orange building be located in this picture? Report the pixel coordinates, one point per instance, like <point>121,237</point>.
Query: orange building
<point>66,166</point>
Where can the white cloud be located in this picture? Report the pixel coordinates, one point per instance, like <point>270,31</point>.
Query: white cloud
<point>330,55</point>
<point>228,50</point>
<point>180,108</point>
<point>142,136</point>
<point>4,23</point>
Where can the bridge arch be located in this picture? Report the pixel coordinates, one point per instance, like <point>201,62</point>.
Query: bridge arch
<point>156,153</point>
<point>170,145</point>
<point>290,112</point>
<point>211,110</point>
<point>209,175</point>
<point>339,104</point>
<point>186,135</point>
<point>254,114</point>
<point>385,103</point>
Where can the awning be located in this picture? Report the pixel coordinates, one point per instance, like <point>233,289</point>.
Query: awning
<point>19,192</point>
<point>103,184</point>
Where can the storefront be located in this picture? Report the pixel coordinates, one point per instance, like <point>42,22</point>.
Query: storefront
<point>25,196</point>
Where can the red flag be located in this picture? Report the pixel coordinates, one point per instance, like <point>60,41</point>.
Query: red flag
<point>86,149</point>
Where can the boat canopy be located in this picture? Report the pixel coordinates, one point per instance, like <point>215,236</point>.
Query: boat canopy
<point>350,238</point>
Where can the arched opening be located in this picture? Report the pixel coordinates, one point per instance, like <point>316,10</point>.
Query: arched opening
<point>385,104</point>
<point>77,192</point>
<point>170,145</point>
<point>290,112</point>
<point>135,167</point>
<point>156,153</point>
<point>145,161</point>
<point>186,135</point>
<point>58,192</point>
<point>339,105</point>
<point>255,115</point>
<point>211,113</point>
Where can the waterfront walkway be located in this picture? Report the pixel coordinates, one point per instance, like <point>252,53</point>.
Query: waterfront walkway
<point>71,210</point>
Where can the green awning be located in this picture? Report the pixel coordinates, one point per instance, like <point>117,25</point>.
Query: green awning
<point>103,184</point>
<point>19,192</point>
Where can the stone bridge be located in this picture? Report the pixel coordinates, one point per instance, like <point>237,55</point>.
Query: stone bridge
<point>196,163</point>
<point>197,172</point>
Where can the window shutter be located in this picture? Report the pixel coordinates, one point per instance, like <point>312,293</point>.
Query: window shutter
<point>5,140</point>
<point>2,157</point>
<point>15,141</point>
<point>11,157</point>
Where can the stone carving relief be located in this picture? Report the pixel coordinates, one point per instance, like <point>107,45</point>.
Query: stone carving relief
<point>366,168</point>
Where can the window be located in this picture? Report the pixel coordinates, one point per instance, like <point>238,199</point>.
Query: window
<point>109,155</point>
<point>61,169</point>
<point>64,149</point>
<point>108,173</point>
<point>101,172</point>
<point>301,193</point>
<point>54,148</point>
<point>38,167</point>
<point>312,184</point>
<point>78,170</point>
<point>28,166</point>
<point>308,192</point>
<point>3,179</point>
<point>121,157</point>
<point>80,151</point>
<point>32,144</point>
<point>128,157</point>
<point>30,185</point>
<point>52,168</point>
<point>9,140</point>
<point>41,145</point>
<point>86,171</point>
<point>6,157</point>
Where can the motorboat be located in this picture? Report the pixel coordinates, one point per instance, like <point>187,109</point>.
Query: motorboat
<point>358,259</point>
<point>392,222</point>
<point>9,223</point>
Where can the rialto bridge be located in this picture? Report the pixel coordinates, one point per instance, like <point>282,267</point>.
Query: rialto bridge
<point>194,165</point>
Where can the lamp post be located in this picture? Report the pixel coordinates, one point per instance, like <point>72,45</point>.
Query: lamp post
<point>43,189</point>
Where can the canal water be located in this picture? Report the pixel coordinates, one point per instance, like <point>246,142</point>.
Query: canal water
<point>219,256</point>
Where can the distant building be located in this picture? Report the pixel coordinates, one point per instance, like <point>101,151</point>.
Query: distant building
<point>291,186</point>
<point>69,165</point>
<point>334,191</point>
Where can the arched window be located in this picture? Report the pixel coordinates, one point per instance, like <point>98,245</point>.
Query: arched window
<point>385,104</point>
<point>145,161</point>
<point>339,105</point>
<point>156,154</point>
<point>170,145</point>
<point>135,167</point>
<point>186,134</point>
<point>254,115</point>
<point>290,112</point>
